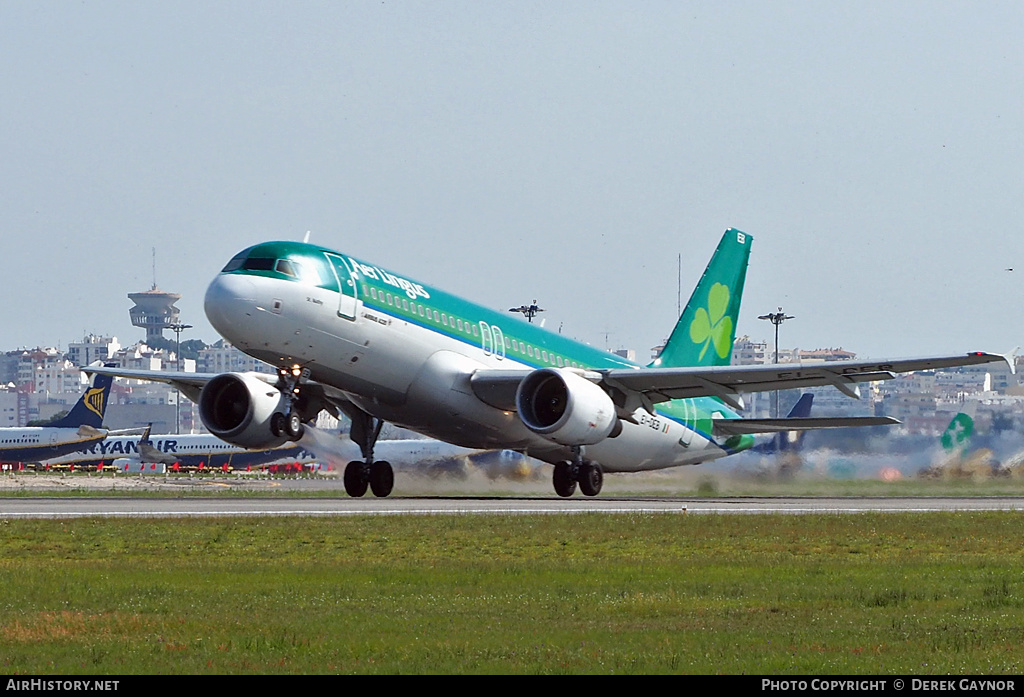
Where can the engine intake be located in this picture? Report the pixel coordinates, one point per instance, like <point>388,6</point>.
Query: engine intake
<point>565,408</point>
<point>238,408</point>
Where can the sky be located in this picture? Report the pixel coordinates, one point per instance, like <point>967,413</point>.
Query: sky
<point>588,155</point>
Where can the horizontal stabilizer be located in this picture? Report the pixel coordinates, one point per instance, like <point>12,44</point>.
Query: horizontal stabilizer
<point>736,427</point>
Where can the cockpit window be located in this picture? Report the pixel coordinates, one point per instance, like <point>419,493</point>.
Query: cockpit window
<point>235,264</point>
<point>256,264</point>
<point>272,260</point>
<point>286,267</point>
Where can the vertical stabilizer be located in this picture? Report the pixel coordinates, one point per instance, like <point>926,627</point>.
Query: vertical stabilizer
<point>954,438</point>
<point>706,329</point>
<point>89,409</point>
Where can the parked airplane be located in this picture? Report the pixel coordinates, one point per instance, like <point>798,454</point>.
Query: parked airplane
<point>203,449</point>
<point>785,441</point>
<point>79,428</point>
<point>185,450</point>
<point>350,336</point>
<point>422,456</point>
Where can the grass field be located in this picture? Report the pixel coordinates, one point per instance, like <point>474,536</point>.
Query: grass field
<point>834,594</point>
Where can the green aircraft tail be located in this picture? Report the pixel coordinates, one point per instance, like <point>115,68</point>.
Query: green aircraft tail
<point>956,435</point>
<point>705,331</point>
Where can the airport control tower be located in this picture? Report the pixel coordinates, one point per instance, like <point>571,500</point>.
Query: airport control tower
<point>154,311</point>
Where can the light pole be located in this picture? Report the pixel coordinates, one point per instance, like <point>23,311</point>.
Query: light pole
<point>529,311</point>
<point>776,318</point>
<point>178,329</point>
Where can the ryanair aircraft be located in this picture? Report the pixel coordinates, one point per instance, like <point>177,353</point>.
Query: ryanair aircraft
<point>350,336</point>
<point>80,428</point>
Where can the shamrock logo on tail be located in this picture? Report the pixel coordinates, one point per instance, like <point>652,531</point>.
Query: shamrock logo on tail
<point>958,431</point>
<point>713,326</point>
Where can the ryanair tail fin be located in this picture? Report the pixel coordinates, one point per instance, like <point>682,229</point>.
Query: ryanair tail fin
<point>89,409</point>
<point>789,440</point>
<point>705,332</point>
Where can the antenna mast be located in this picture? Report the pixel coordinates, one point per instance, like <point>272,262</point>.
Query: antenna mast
<point>679,284</point>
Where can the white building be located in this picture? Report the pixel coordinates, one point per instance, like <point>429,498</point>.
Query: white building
<point>222,357</point>
<point>92,349</point>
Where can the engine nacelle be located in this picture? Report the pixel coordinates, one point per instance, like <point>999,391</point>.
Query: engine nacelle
<point>238,408</point>
<point>565,408</point>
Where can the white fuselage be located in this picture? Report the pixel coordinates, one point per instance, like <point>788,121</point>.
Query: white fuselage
<point>34,444</point>
<point>408,374</point>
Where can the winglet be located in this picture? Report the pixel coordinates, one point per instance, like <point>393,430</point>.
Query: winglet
<point>1011,359</point>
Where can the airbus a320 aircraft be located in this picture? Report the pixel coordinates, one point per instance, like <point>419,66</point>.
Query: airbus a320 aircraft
<point>351,336</point>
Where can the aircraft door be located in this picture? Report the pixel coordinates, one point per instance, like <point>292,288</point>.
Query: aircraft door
<point>499,341</point>
<point>486,338</point>
<point>689,421</point>
<point>347,286</point>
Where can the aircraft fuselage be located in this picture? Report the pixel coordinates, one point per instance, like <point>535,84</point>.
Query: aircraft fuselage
<point>405,352</point>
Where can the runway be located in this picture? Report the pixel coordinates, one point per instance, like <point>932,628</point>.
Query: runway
<point>74,507</point>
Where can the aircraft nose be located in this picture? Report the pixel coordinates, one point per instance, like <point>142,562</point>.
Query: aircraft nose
<point>230,300</point>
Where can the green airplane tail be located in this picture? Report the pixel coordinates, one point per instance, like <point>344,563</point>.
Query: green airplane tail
<point>705,331</point>
<point>957,434</point>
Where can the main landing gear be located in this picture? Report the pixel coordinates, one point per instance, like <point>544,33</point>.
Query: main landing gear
<point>586,473</point>
<point>288,425</point>
<point>359,475</point>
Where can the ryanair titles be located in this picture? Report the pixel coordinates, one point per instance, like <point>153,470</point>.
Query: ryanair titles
<point>413,290</point>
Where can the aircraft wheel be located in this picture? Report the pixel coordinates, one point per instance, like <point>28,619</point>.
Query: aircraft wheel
<point>565,484</point>
<point>277,424</point>
<point>382,479</point>
<point>293,427</point>
<point>591,478</point>
<point>355,479</point>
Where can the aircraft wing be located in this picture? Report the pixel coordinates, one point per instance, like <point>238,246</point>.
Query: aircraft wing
<point>631,388</point>
<point>736,427</point>
<point>190,384</point>
<point>648,386</point>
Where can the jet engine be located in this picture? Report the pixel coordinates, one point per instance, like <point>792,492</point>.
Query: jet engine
<point>566,408</point>
<point>238,408</point>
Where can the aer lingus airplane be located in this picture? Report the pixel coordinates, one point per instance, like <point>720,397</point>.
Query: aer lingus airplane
<point>350,336</point>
